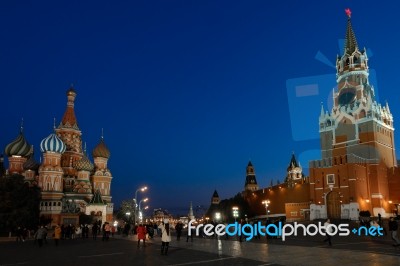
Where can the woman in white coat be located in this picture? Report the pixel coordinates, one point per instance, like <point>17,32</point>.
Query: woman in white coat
<point>165,236</point>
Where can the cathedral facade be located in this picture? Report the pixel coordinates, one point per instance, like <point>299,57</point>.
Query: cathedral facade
<point>70,183</point>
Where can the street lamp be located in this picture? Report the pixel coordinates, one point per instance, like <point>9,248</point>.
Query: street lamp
<point>129,216</point>
<point>140,214</point>
<point>142,200</point>
<point>235,211</point>
<point>217,216</point>
<point>135,207</point>
<point>266,203</point>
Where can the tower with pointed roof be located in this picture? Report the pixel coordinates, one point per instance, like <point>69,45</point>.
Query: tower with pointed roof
<point>71,135</point>
<point>190,214</point>
<point>294,172</point>
<point>251,182</point>
<point>357,143</point>
<point>215,200</point>
<point>102,176</point>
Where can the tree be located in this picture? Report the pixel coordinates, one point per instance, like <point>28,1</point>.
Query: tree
<point>19,203</point>
<point>225,208</point>
<point>126,207</point>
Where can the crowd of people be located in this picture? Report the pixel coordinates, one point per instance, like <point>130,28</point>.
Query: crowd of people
<point>150,230</point>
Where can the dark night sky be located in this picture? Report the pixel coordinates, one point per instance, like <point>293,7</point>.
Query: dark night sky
<point>186,91</point>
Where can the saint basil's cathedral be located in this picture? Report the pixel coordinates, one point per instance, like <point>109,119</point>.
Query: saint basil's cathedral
<point>70,183</point>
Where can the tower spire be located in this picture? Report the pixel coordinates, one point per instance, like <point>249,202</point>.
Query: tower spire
<point>22,125</point>
<point>350,42</point>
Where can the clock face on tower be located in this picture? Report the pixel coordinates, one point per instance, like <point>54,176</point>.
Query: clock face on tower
<point>347,96</point>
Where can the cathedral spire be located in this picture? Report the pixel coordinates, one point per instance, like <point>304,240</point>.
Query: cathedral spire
<point>69,118</point>
<point>350,42</point>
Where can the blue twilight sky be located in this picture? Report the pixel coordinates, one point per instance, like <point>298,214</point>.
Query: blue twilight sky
<point>187,91</point>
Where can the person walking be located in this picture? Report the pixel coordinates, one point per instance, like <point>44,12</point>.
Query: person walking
<point>40,235</point>
<point>19,234</point>
<point>328,231</point>
<point>95,231</point>
<point>165,236</point>
<point>393,226</point>
<point>178,229</point>
<point>57,234</point>
<point>141,234</point>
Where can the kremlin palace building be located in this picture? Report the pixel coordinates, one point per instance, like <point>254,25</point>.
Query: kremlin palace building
<point>358,170</point>
<point>70,183</point>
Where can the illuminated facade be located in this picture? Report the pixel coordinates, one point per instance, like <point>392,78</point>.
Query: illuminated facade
<point>69,181</point>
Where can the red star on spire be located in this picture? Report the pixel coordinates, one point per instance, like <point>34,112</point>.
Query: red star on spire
<point>348,12</point>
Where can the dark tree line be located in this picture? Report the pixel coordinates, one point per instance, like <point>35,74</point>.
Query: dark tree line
<point>19,204</point>
<point>225,208</point>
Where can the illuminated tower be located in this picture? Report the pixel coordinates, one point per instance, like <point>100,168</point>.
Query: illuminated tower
<point>82,187</point>
<point>357,143</point>
<point>215,200</point>
<point>70,134</point>
<point>294,172</point>
<point>251,182</point>
<point>18,151</point>
<point>31,170</point>
<point>51,177</point>
<point>102,177</point>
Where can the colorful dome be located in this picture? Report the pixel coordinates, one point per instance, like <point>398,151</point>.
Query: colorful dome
<point>101,150</point>
<point>52,144</point>
<point>19,147</point>
<point>31,164</point>
<point>83,164</point>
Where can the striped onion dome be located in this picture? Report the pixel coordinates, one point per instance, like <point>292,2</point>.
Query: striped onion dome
<point>83,164</point>
<point>31,164</point>
<point>18,147</point>
<point>101,150</point>
<point>52,144</point>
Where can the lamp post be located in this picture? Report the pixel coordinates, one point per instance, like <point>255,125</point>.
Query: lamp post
<point>140,214</point>
<point>235,211</point>
<point>135,207</point>
<point>266,203</point>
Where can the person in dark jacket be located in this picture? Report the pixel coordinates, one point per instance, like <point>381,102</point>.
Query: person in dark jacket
<point>393,226</point>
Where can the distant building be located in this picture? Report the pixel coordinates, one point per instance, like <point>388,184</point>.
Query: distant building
<point>289,199</point>
<point>215,198</point>
<point>70,183</point>
<point>190,214</point>
<point>251,181</point>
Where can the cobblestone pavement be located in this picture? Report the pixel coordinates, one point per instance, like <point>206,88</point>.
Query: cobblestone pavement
<point>123,251</point>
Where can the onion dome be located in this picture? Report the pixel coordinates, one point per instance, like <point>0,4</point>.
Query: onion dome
<point>83,164</point>
<point>101,150</point>
<point>19,147</point>
<point>52,144</point>
<point>31,164</point>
